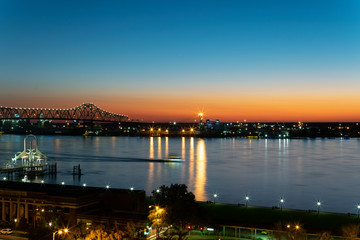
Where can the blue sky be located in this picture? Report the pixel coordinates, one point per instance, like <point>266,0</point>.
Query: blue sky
<point>86,50</point>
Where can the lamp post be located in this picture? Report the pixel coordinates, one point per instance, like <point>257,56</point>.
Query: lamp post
<point>318,206</point>
<point>215,196</point>
<point>247,198</point>
<point>281,203</point>
<point>60,232</point>
<point>358,209</point>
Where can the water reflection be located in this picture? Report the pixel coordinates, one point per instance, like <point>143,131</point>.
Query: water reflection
<point>183,148</point>
<point>166,146</point>
<point>151,148</point>
<point>191,161</point>
<point>159,148</point>
<point>201,163</point>
<point>183,151</point>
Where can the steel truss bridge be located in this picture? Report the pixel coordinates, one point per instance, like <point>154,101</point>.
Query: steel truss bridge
<point>84,112</point>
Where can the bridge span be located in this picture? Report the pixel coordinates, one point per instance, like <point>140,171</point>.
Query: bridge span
<point>84,112</point>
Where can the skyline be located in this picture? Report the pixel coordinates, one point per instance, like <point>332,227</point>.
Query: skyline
<point>167,61</point>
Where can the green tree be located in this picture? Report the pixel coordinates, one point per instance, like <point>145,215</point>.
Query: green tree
<point>178,211</point>
<point>102,232</point>
<point>278,230</point>
<point>325,236</point>
<point>350,231</point>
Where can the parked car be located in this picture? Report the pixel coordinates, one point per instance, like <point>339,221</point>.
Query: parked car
<point>6,231</point>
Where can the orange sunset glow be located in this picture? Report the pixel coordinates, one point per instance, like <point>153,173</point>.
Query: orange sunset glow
<point>226,108</point>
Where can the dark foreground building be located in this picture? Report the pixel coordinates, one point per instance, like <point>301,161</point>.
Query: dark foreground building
<point>35,203</point>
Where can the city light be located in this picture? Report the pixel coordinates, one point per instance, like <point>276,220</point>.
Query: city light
<point>59,232</point>
<point>281,203</point>
<point>318,206</point>
<point>215,196</point>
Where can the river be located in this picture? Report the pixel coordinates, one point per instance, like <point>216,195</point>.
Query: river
<point>302,171</point>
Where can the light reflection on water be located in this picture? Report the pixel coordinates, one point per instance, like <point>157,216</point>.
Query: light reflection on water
<point>300,170</point>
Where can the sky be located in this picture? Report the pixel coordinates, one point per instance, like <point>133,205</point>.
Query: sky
<point>254,60</point>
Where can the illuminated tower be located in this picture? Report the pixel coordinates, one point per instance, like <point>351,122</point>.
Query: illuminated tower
<point>201,117</point>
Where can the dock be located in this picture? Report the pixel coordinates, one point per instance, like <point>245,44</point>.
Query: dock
<point>35,170</point>
<point>30,162</point>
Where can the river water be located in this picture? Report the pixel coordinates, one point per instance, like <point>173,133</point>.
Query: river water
<point>302,171</point>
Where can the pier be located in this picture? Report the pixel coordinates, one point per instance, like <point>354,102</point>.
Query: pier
<point>35,170</point>
<point>30,162</point>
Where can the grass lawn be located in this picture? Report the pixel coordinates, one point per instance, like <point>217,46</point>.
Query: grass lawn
<point>261,217</point>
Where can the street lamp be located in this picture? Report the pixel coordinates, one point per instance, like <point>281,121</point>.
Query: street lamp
<point>247,198</point>
<point>281,203</point>
<point>358,209</point>
<point>59,232</point>
<point>318,206</point>
<point>215,196</point>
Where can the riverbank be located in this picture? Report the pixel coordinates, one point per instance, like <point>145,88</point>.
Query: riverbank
<point>269,218</point>
<point>208,129</point>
